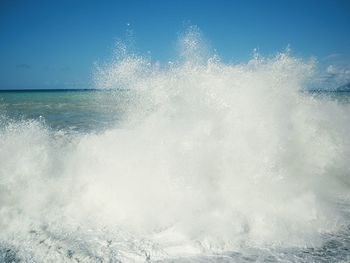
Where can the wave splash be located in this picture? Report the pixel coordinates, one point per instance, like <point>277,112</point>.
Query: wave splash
<point>211,157</point>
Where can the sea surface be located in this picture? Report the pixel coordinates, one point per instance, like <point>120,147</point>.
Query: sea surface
<point>73,110</point>
<point>86,111</point>
<point>59,168</point>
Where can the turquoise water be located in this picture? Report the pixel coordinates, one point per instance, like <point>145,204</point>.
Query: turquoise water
<point>84,110</point>
<point>69,110</point>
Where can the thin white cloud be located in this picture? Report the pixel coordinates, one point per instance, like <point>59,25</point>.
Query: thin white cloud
<point>23,66</point>
<point>332,56</point>
<point>339,75</point>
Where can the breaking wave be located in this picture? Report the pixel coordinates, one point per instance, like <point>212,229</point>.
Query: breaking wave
<point>210,158</point>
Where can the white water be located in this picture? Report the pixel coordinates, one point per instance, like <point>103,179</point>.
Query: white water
<point>212,158</point>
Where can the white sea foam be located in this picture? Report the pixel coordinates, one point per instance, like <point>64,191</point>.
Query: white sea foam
<point>211,157</point>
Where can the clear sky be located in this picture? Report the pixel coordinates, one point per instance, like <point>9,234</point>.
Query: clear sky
<point>54,44</point>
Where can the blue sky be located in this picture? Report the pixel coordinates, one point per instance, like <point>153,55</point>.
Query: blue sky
<point>54,44</point>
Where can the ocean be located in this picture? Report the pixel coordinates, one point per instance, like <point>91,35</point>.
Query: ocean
<point>198,161</point>
<point>84,111</point>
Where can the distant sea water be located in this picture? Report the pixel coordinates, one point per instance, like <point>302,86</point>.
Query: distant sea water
<point>194,161</point>
<point>74,110</point>
<point>86,110</point>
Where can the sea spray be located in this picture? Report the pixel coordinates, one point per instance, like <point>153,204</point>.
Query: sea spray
<point>209,158</point>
